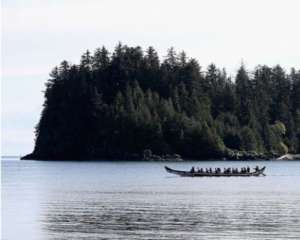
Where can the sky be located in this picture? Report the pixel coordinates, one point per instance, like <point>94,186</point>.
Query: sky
<point>37,35</point>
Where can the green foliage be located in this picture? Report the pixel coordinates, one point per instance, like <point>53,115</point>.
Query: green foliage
<point>117,105</point>
<point>248,140</point>
<point>279,128</point>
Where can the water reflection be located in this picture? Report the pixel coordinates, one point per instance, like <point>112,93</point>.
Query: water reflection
<point>127,215</point>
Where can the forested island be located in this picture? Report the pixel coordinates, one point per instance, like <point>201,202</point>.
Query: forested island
<point>122,104</point>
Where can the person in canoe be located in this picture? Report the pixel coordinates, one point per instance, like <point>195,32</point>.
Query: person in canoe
<point>240,172</point>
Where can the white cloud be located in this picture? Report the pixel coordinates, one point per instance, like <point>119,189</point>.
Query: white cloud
<point>17,141</point>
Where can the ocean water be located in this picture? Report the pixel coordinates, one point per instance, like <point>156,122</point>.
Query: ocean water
<point>139,200</point>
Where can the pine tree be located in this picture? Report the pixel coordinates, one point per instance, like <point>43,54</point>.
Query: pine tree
<point>244,96</point>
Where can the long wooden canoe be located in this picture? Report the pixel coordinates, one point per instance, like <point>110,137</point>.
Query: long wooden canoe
<point>257,173</point>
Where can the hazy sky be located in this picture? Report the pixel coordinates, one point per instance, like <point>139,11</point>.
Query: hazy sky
<point>37,35</point>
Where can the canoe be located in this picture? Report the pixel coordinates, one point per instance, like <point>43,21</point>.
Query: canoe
<point>257,173</point>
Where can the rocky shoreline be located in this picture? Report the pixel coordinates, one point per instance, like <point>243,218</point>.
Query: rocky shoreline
<point>289,157</point>
<point>147,155</point>
<point>249,155</point>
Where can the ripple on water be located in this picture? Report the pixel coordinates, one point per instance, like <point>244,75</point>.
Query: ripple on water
<point>136,216</point>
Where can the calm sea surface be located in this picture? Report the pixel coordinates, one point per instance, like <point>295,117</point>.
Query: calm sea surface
<point>139,200</point>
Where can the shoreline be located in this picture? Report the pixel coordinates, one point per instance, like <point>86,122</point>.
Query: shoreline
<point>181,159</point>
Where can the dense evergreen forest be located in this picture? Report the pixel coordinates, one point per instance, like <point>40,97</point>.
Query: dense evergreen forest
<point>116,105</point>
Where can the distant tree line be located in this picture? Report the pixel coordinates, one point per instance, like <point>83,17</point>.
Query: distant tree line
<point>116,105</point>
